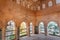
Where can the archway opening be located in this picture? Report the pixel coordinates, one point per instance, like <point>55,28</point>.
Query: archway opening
<point>23,29</point>
<point>10,30</point>
<point>31,28</point>
<point>41,27</point>
<point>0,34</point>
<point>53,28</point>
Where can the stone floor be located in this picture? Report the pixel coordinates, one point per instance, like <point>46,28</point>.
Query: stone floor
<point>40,37</point>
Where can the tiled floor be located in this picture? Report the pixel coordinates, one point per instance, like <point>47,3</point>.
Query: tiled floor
<point>40,37</point>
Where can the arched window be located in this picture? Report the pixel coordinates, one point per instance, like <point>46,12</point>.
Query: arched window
<point>50,3</point>
<point>43,6</point>
<point>57,1</point>
<point>10,30</point>
<point>0,34</point>
<point>31,28</point>
<point>23,29</point>
<point>41,27</point>
<point>53,28</point>
<point>38,7</point>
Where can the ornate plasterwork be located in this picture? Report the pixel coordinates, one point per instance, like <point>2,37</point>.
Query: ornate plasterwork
<point>30,4</point>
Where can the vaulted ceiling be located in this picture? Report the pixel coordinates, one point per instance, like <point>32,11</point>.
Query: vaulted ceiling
<point>33,5</point>
<point>30,4</point>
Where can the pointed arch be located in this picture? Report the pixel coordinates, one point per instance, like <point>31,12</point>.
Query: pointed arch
<point>53,28</point>
<point>10,30</point>
<point>31,27</point>
<point>23,29</point>
<point>41,27</point>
